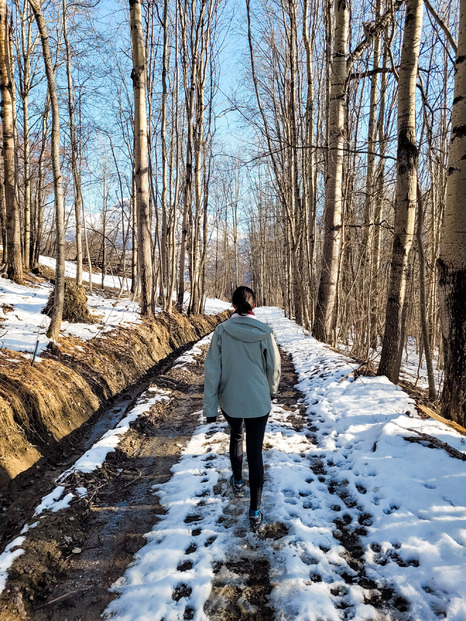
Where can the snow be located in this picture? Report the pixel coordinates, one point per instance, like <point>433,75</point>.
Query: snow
<point>351,463</point>
<point>55,501</point>
<point>213,306</point>
<point>414,494</point>
<point>113,282</point>
<point>94,458</point>
<point>190,356</point>
<point>355,468</point>
<point>12,551</point>
<point>23,326</point>
<point>416,373</point>
<point>148,585</point>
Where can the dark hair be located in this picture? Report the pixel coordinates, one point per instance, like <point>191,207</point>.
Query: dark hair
<point>244,300</point>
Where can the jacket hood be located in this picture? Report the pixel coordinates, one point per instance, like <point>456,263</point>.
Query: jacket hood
<point>247,329</point>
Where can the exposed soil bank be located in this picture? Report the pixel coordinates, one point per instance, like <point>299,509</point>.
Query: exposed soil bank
<point>51,583</point>
<point>42,404</point>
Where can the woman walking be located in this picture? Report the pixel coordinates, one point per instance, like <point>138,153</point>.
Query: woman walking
<point>242,372</point>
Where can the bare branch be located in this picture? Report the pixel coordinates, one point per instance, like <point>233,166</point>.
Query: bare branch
<point>372,29</point>
<point>442,25</point>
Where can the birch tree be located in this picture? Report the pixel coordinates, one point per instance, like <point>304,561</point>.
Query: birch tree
<point>141,168</point>
<point>26,43</point>
<point>325,318</point>
<point>452,259</point>
<point>74,153</point>
<point>14,258</point>
<point>406,193</point>
<point>59,289</point>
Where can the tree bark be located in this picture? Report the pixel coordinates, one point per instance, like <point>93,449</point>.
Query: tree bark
<point>452,257</point>
<point>14,265</point>
<point>3,217</point>
<point>164,245</point>
<point>141,168</point>
<point>406,192</point>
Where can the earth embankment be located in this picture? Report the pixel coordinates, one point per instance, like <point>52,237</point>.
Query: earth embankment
<point>44,403</point>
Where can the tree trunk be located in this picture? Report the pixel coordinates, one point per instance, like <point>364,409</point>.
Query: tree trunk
<point>141,169</point>
<point>422,295</point>
<point>55,323</point>
<point>27,186</point>
<point>3,218</point>
<point>406,191</point>
<point>309,197</point>
<point>164,247</point>
<point>104,223</point>
<point>452,257</point>
<point>326,300</point>
<point>40,186</point>
<point>74,155</point>
<point>371,198</point>
<point>14,265</point>
<point>134,248</point>
<point>88,252</point>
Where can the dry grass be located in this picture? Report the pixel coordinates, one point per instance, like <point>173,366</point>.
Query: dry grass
<point>75,307</point>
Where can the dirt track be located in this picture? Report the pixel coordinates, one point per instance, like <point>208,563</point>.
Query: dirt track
<point>73,557</point>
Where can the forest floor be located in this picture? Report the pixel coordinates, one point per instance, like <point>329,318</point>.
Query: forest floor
<point>364,507</point>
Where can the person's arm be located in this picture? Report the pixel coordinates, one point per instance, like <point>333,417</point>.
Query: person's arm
<point>273,366</point>
<point>212,375</point>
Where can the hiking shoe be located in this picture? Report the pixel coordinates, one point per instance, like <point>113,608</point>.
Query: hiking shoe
<point>236,487</point>
<point>255,519</point>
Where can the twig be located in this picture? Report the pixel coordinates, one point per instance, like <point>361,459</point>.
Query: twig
<point>133,480</point>
<point>425,437</point>
<point>58,599</point>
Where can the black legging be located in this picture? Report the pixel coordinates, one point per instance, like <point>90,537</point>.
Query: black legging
<point>255,429</point>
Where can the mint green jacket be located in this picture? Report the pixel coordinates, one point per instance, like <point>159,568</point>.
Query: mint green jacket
<point>242,369</point>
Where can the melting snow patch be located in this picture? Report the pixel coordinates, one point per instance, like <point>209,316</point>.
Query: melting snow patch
<point>187,534</point>
<point>12,551</point>
<point>195,351</point>
<point>56,500</point>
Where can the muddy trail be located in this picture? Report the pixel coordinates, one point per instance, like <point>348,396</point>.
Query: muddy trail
<point>74,561</point>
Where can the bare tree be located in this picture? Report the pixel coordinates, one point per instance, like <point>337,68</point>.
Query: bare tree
<point>452,259</point>
<point>325,317</point>
<point>59,289</point>
<point>406,193</point>
<point>141,168</point>
<point>14,265</point>
<point>74,152</point>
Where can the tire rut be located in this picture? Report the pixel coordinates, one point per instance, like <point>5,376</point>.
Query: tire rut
<point>50,582</point>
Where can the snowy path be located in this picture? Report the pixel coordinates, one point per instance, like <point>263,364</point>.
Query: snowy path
<point>295,567</point>
<point>364,518</point>
<point>360,523</point>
